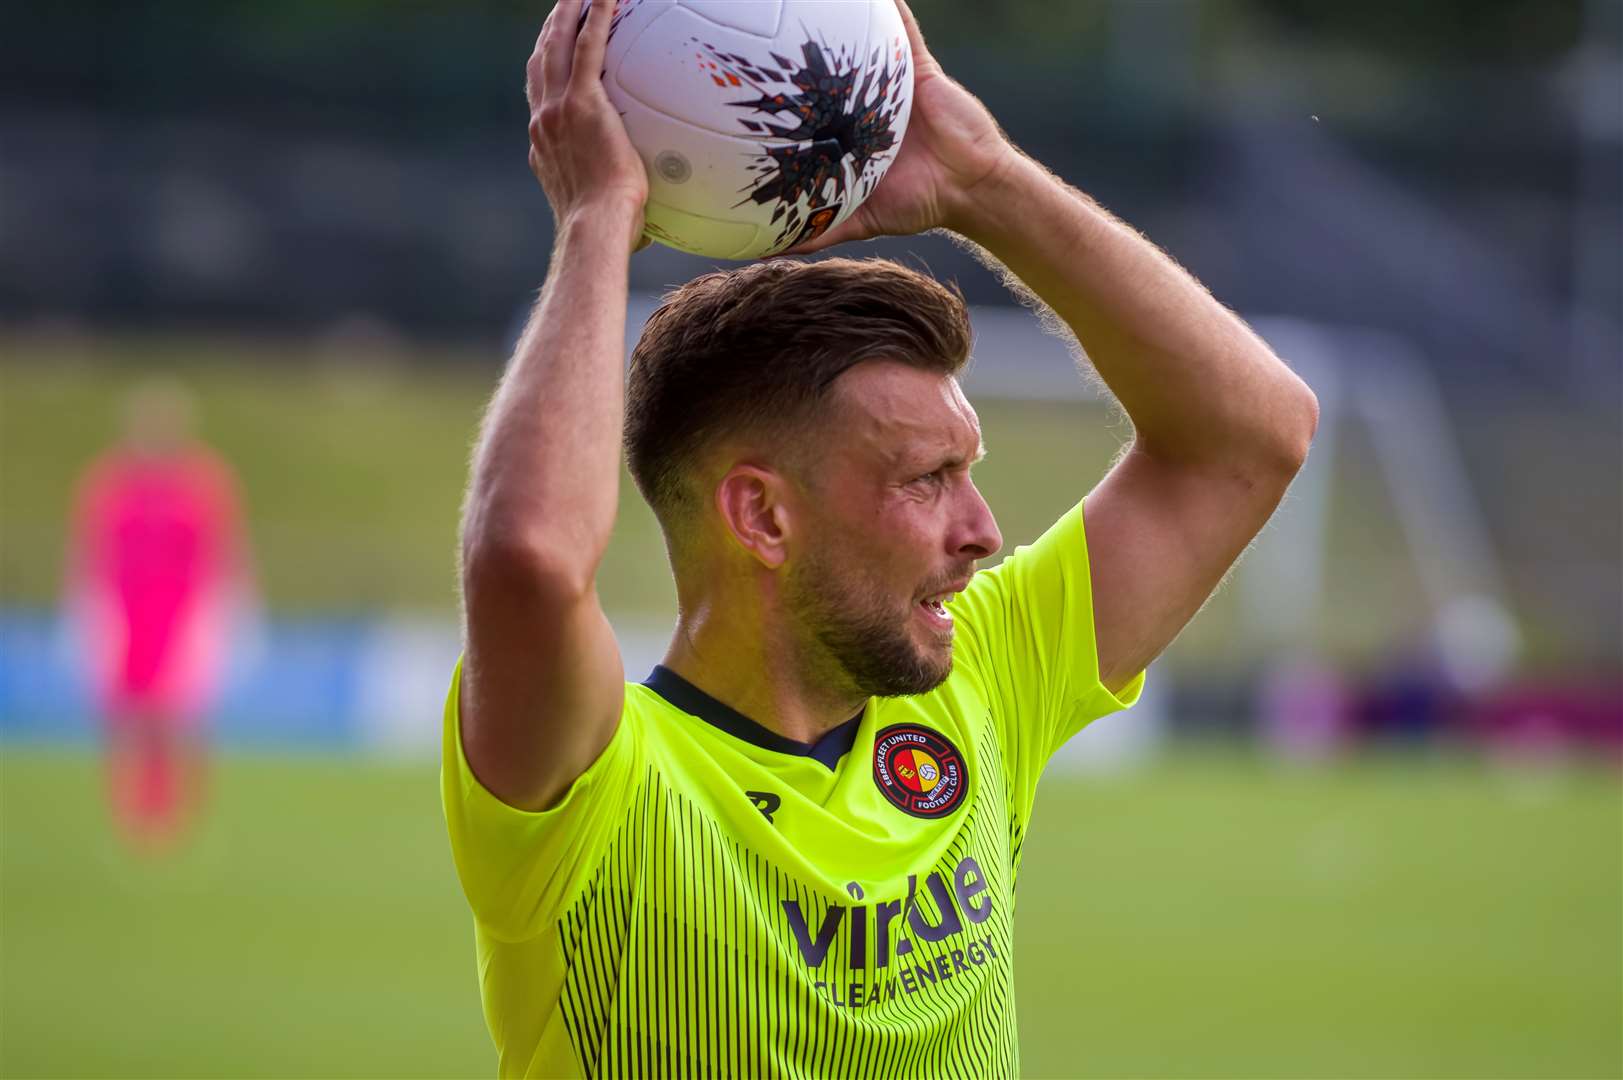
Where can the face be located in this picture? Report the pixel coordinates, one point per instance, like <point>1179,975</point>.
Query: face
<point>892,529</point>
<point>158,416</point>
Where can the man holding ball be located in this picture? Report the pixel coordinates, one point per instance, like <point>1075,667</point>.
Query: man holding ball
<point>792,849</point>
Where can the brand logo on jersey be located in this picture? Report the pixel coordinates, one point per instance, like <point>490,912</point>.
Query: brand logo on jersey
<point>904,946</point>
<point>918,770</point>
<point>766,802</point>
<point>959,896</point>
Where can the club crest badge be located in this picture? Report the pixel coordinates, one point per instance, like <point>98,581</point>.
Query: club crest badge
<point>919,771</point>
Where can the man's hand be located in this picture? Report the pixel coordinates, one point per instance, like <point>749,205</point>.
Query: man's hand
<point>951,147</point>
<point>578,145</point>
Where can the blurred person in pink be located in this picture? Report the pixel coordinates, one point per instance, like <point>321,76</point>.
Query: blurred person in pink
<point>158,569</point>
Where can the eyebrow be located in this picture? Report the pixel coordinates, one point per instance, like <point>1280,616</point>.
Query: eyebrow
<point>954,461</point>
<point>943,455</point>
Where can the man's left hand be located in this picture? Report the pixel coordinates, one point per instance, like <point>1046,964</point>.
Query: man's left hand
<point>952,146</point>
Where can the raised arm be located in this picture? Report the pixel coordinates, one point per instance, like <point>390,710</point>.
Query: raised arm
<point>1221,425</point>
<point>542,683</point>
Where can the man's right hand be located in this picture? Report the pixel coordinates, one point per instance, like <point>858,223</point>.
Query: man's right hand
<point>578,144</point>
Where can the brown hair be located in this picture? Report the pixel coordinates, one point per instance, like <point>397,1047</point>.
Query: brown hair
<point>755,350</point>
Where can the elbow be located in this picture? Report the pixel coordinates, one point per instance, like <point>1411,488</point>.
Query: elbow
<point>1288,422</point>
<point>1299,423</point>
<point>1279,446</point>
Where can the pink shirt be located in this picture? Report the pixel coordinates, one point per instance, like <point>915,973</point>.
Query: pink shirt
<point>157,541</point>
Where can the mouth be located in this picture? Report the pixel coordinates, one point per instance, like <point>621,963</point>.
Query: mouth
<point>935,615</point>
<point>934,606</point>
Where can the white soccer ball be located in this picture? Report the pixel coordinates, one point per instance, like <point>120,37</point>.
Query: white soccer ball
<point>763,123</point>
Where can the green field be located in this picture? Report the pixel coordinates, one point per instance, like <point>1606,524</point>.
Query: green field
<point>1209,916</point>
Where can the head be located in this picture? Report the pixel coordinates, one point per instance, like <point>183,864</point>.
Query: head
<point>799,428</point>
<point>158,416</point>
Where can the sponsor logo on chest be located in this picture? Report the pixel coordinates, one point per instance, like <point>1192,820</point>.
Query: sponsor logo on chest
<point>886,935</point>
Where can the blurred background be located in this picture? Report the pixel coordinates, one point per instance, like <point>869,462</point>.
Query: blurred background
<point>1368,820</point>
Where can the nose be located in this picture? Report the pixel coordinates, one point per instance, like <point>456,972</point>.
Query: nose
<point>978,537</point>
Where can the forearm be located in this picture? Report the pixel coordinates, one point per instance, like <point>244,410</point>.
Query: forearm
<point>1198,385</point>
<point>546,471</point>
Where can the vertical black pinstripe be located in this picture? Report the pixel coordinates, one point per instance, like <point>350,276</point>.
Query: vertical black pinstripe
<point>679,959</point>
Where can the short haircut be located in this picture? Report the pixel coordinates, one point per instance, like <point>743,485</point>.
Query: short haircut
<point>753,352</point>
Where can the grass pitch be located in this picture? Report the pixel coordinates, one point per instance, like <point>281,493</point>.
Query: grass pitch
<point>1206,916</point>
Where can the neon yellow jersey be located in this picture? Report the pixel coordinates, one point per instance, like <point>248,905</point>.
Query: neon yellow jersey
<point>710,897</point>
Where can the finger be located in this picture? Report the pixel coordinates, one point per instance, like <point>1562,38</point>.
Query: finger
<point>592,44</point>
<point>558,47</point>
<point>852,228</point>
<point>532,68</point>
<point>915,36</point>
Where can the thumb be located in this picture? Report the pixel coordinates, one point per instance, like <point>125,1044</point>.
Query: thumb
<point>915,36</point>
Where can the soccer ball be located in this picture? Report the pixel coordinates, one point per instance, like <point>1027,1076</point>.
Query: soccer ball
<point>763,123</point>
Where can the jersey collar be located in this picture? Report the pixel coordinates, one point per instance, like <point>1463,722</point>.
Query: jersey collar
<point>826,751</point>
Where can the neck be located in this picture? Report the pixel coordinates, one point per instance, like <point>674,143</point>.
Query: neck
<point>754,665</point>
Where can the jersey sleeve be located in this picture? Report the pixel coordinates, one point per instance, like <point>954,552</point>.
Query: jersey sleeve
<point>1025,630</point>
<point>520,868</point>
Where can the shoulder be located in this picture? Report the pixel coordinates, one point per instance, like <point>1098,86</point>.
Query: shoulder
<point>1061,550</point>
<point>1036,584</point>
<point>103,473</point>
<point>646,713</point>
<point>209,472</point>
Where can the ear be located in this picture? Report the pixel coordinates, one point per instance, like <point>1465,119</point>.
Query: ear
<point>752,506</point>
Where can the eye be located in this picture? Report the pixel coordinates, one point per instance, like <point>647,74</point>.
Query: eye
<point>930,479</point>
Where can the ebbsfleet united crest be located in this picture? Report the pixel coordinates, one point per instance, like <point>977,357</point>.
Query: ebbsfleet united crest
<point>919,770</point>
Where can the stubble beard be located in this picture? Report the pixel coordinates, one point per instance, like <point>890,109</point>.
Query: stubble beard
<point>864,641</point>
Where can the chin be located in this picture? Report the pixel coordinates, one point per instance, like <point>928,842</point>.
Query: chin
<point>886,657</point>
<point>936,651</point>
<point>929,669</point>
<point>940,673</point>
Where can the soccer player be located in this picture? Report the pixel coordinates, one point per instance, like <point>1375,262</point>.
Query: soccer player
<point>157,570</point>
<point>792,849</point>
